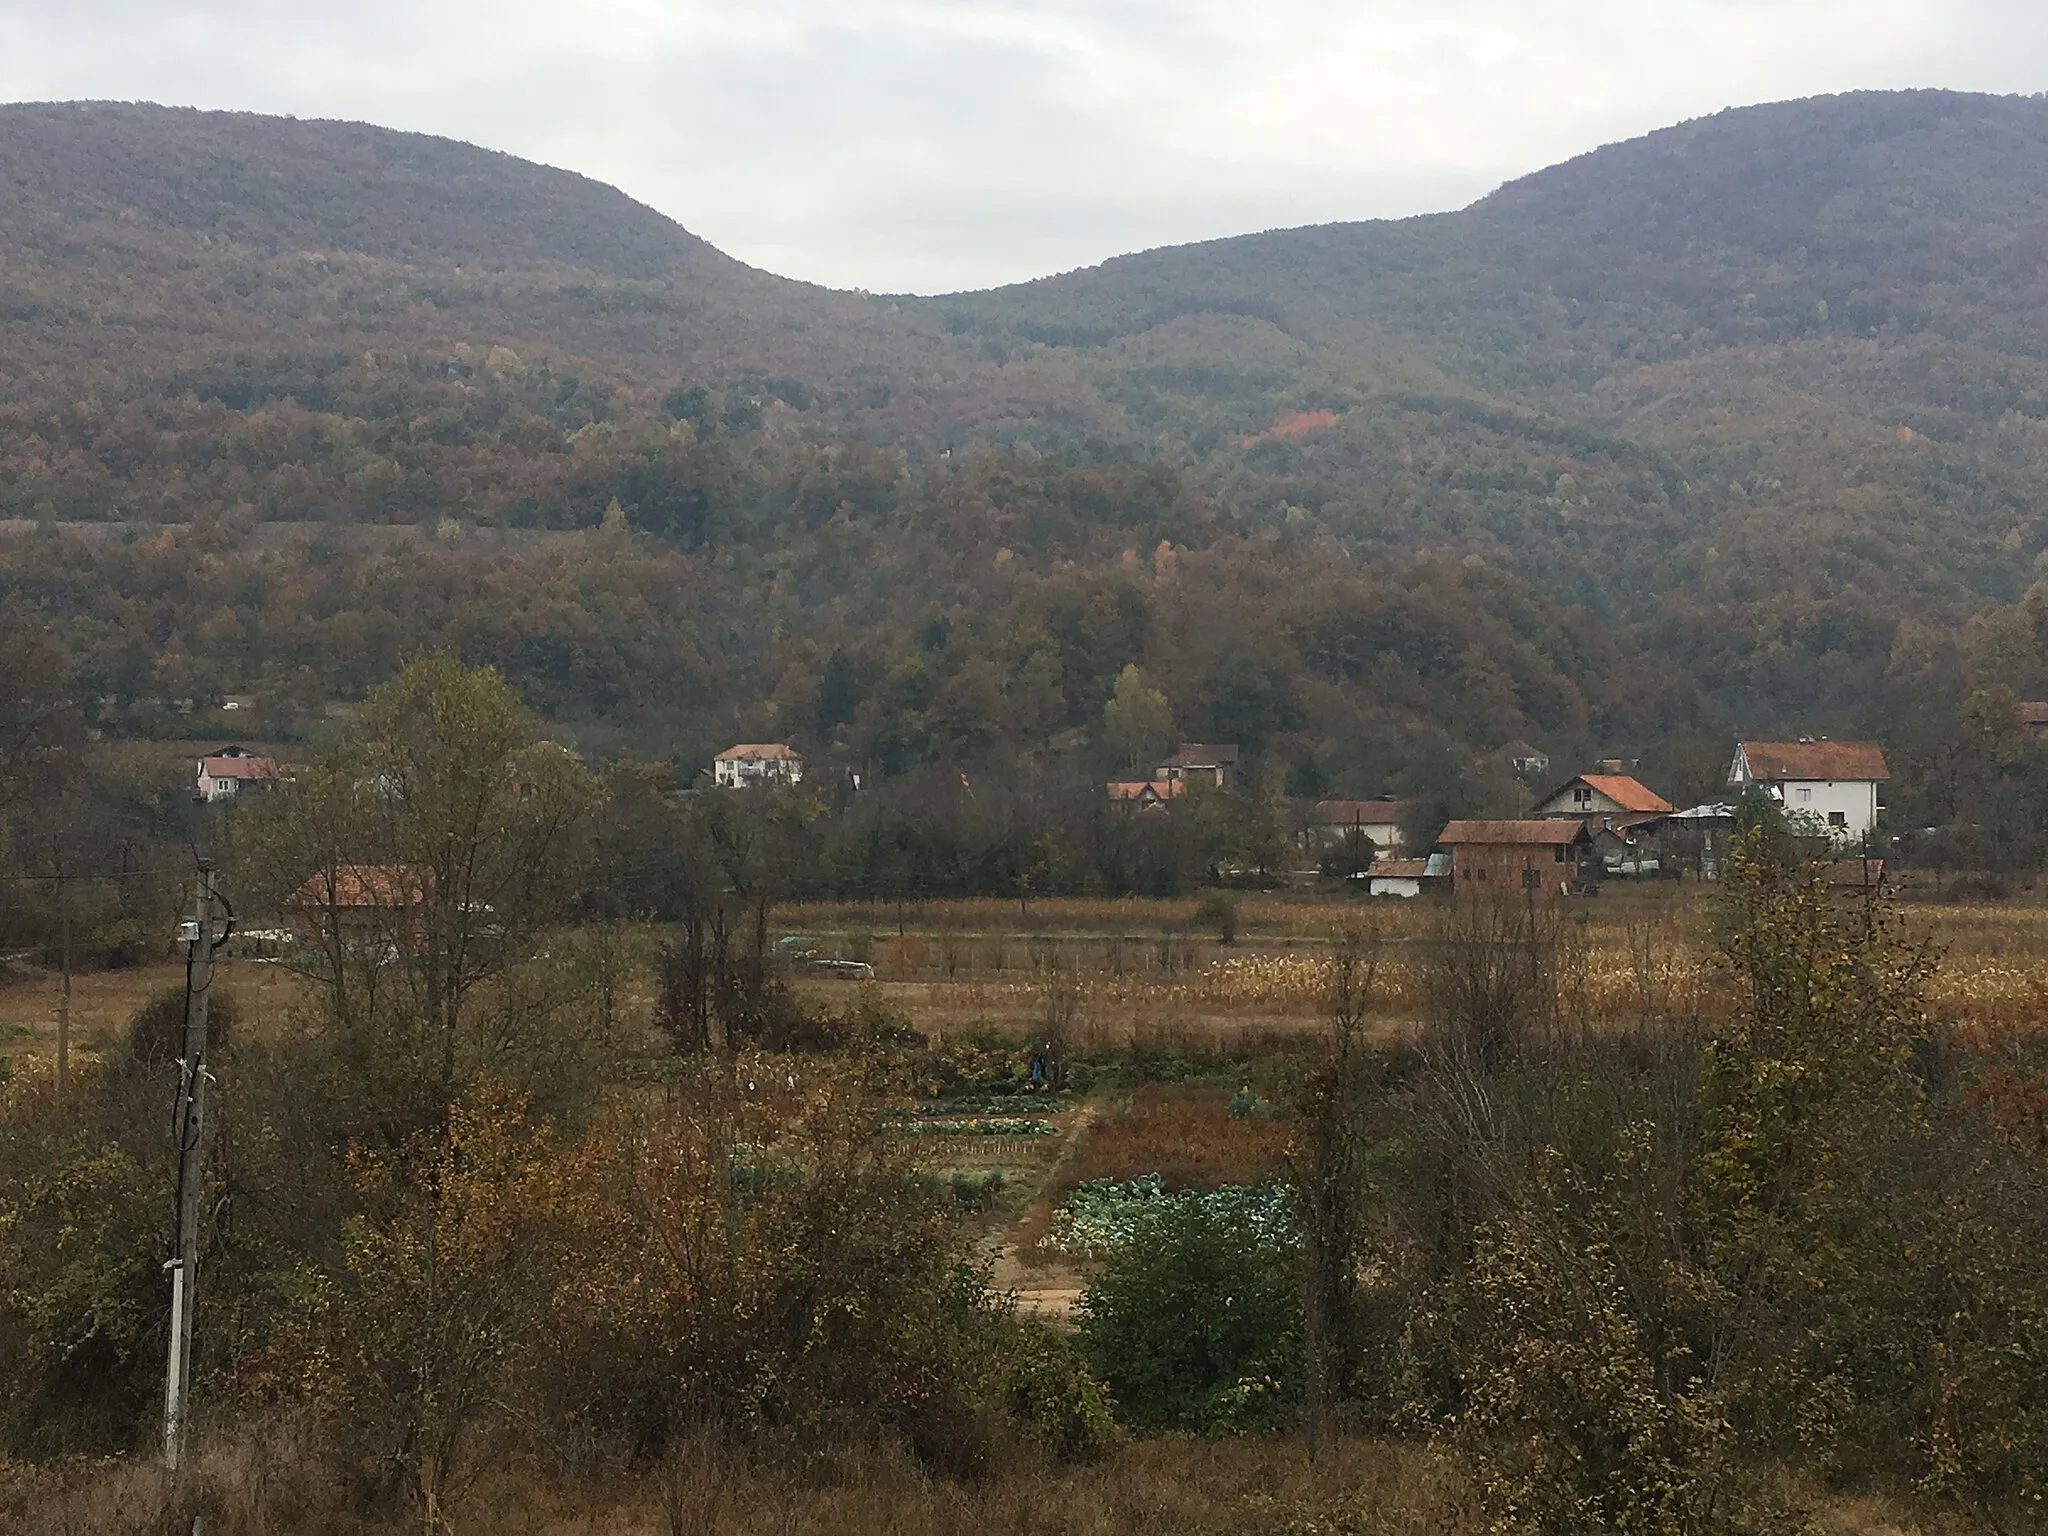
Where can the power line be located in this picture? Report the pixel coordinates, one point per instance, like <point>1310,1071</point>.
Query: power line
<point>112,874</point>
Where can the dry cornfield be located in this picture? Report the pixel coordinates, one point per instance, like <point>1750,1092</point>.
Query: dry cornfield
<point>1992,972</point>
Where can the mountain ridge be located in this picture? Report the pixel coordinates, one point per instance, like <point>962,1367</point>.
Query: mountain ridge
<point>1747,390</point>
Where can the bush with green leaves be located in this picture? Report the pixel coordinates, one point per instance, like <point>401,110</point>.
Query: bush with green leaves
<point>1047,1389</point>
<point>1194,1322</point>
<point>1634,1277</point>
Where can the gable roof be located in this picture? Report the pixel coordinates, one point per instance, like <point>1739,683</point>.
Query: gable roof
<point>1626,791</point>
<point>362,885</point>
<point>1358,813</point>
<point>1543,834</point>
<point>1138,789</point>
<point>1202,754</point>
<point>237,764</point>
<point>1399,869</point>
<point>1853,761</point>
<point>756,751</point>
<point>2033,711</point>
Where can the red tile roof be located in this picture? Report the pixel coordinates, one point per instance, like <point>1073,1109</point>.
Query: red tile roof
<point>755,751</point>
<point>2033,711</point>
<point>1629,793</point>
<point>1813,761</point>
<point>362,885</point>
<point>240,766</point>
<point>1134,789</point>
<point>1547,834</point>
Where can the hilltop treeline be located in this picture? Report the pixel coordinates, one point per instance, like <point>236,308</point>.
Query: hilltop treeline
<point>1751,390</point>
<point>667,575</point>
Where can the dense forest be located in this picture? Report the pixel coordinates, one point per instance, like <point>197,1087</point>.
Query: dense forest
<point>1662,443</point>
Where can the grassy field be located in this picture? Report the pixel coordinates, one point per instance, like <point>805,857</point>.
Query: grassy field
<point>103,1003</point>
<point>1110,974</point>
<point>1253,1486</point>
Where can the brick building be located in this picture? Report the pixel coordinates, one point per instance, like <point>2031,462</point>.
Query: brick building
<point>1546,858</point>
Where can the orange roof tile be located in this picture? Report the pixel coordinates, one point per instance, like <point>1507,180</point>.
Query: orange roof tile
<point>1629,793</point>
<point>362,885</point>
<point>241,766</point>
<point>1134,789</point>
<point>756,751</point>
<point>1812,761</point>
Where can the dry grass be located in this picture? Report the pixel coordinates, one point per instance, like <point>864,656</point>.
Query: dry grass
<point>104,1002</point>
<point>1170,1487</point>
<point>1630,960</point>
<point>270,1484</point>
<point>1186,1135</point>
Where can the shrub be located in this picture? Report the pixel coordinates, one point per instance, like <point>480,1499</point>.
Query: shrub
<point>1218,910</point>
<point>1194,1322</point>
<point>1049,1392</point>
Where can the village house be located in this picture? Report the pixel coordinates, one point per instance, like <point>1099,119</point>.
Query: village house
<point>1195,763</point>
<point>1332,823</point>
<point>231,770</point>
<point>1546,858</point>
<point>1835,782</point>
<point>1406,877</point>
<point>757,762</point>
<point>1518,758</point>
<point>361,888</point>
<point>1143,794</point>
<point>1603,795</point>
<point>1200,763</point>
<point>2033,715</point>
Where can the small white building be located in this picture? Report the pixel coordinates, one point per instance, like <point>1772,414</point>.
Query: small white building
<point>1406,878</point>
<point>226,773</point>
<point>1833,782</point>
<point>757,762</point>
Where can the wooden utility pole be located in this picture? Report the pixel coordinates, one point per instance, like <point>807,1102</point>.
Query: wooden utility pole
<point>64,999</point>
<point>191,1126</point>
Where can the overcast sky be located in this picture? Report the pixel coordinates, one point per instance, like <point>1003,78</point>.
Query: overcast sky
<point>938,144</point>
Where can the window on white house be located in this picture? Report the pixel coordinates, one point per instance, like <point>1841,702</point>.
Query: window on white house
<point>1838,818</point>
<point>1805,794</point>
<point>1583,796</point>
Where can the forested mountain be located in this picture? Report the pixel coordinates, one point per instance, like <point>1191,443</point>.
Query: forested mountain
<point>1669,437</point>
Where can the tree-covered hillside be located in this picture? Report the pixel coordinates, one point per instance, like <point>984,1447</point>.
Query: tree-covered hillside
<point>1727,403</point>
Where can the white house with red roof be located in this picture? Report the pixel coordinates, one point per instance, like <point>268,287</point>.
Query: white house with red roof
<point>1834,782</point>
<point>230,771</point>
<point>757,762</point>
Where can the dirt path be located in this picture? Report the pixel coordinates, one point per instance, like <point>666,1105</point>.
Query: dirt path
<point>1042,1290</point>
